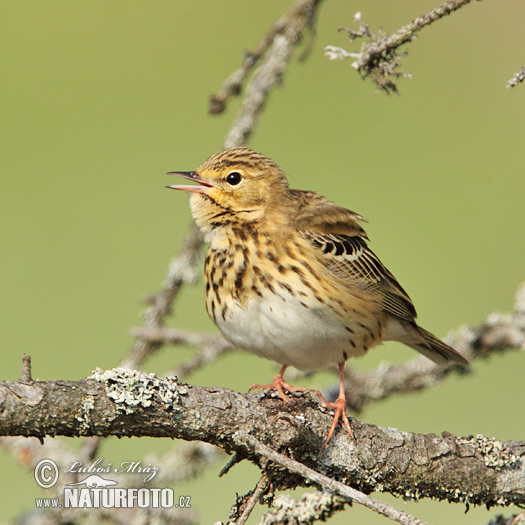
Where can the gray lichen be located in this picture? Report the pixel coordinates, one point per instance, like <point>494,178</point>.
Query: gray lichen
<point>88,404</point>
<point>495,453</point>
<point>312,507</point>
<point>131,388</point>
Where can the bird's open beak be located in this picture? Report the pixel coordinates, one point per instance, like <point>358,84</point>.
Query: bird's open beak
<point>190,175</point>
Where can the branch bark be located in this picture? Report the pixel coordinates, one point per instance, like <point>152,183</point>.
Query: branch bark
<point>472,470</point>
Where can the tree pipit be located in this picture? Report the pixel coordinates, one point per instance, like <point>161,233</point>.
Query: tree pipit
<point>289,275</point>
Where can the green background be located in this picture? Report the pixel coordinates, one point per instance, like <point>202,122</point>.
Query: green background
<point>99,99</point>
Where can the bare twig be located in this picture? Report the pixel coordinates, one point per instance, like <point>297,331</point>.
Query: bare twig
<point>236,458</point>
<point>379,58</point>
<point>204,357</point>
<point>329,483</point>
<point>25,376</point>
<point>211,347</point>
<point>248,506</point>
<point>269,74</point>
<point>176,336</point>
<point>296,20</point>
<point>517,78</point>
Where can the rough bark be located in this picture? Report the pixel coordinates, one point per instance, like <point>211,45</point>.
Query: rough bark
<point>473,470</point>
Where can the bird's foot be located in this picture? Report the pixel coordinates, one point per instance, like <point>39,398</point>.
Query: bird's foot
<point>280,385</point>
<point>339,405</point>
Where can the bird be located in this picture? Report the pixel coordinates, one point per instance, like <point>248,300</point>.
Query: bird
<point>289,275</point>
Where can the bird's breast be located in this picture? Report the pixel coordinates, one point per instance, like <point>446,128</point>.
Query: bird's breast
<point>271,299</point>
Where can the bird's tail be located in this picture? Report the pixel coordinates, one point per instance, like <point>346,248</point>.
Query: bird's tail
<point>433,348</point>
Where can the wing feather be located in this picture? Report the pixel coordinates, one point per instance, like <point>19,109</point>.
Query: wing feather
<point>350,258</point>
<point>341,241</point>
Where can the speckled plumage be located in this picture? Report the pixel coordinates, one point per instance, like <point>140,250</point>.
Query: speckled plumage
<point>289,275</point>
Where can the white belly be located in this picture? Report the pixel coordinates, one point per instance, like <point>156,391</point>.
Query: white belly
<point>282,329</point>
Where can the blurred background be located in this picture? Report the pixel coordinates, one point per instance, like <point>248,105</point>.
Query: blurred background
<point>99,99</point>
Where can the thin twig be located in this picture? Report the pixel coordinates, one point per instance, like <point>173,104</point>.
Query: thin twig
<point>379,58</point>
<point>177,336</point>
<point>344,490</point>
<point>405,34</point>
<point>236,458</point>
<point>270,72</point>
<point>210,346</point>
<point>25,375</point>
<point>235,82</point>
<point>258,491</point>
<point>517,78</point>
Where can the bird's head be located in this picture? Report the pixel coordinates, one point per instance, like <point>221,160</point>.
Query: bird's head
<point>236,185</point>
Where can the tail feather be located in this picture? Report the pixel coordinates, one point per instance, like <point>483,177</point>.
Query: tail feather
<point>435,349</point>
<point>412,335</point>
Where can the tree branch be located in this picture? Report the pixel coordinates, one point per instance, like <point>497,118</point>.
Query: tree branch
<point>291,26</point>
<point>326,482</point>
<point>269,74</point>
<point>379,58</point>
<point>244,505</point>
<point>312,507</point>
<point>517,78</point>
<point>475,470</point>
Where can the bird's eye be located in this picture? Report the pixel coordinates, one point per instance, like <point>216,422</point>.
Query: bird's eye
<point>233,178</point>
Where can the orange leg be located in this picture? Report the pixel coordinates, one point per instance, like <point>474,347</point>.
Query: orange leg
<point>339,405</point>
<point>280,385</point>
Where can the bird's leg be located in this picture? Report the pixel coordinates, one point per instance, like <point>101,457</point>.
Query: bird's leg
<point>339,405</point>
<point>280,385</point>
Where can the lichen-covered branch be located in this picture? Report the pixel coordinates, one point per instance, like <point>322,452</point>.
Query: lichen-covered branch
<point>270,72</point>
<point>475,470</point>
<point>312,507</point>
<point>291,26</point>
<point>517,78</point>
<point>379,58</point>
<point>320,479</point>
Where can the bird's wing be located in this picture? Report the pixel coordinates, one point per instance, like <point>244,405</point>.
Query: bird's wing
<point>341,243</point>
<point>349,258</point>
<point>315,212</point>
